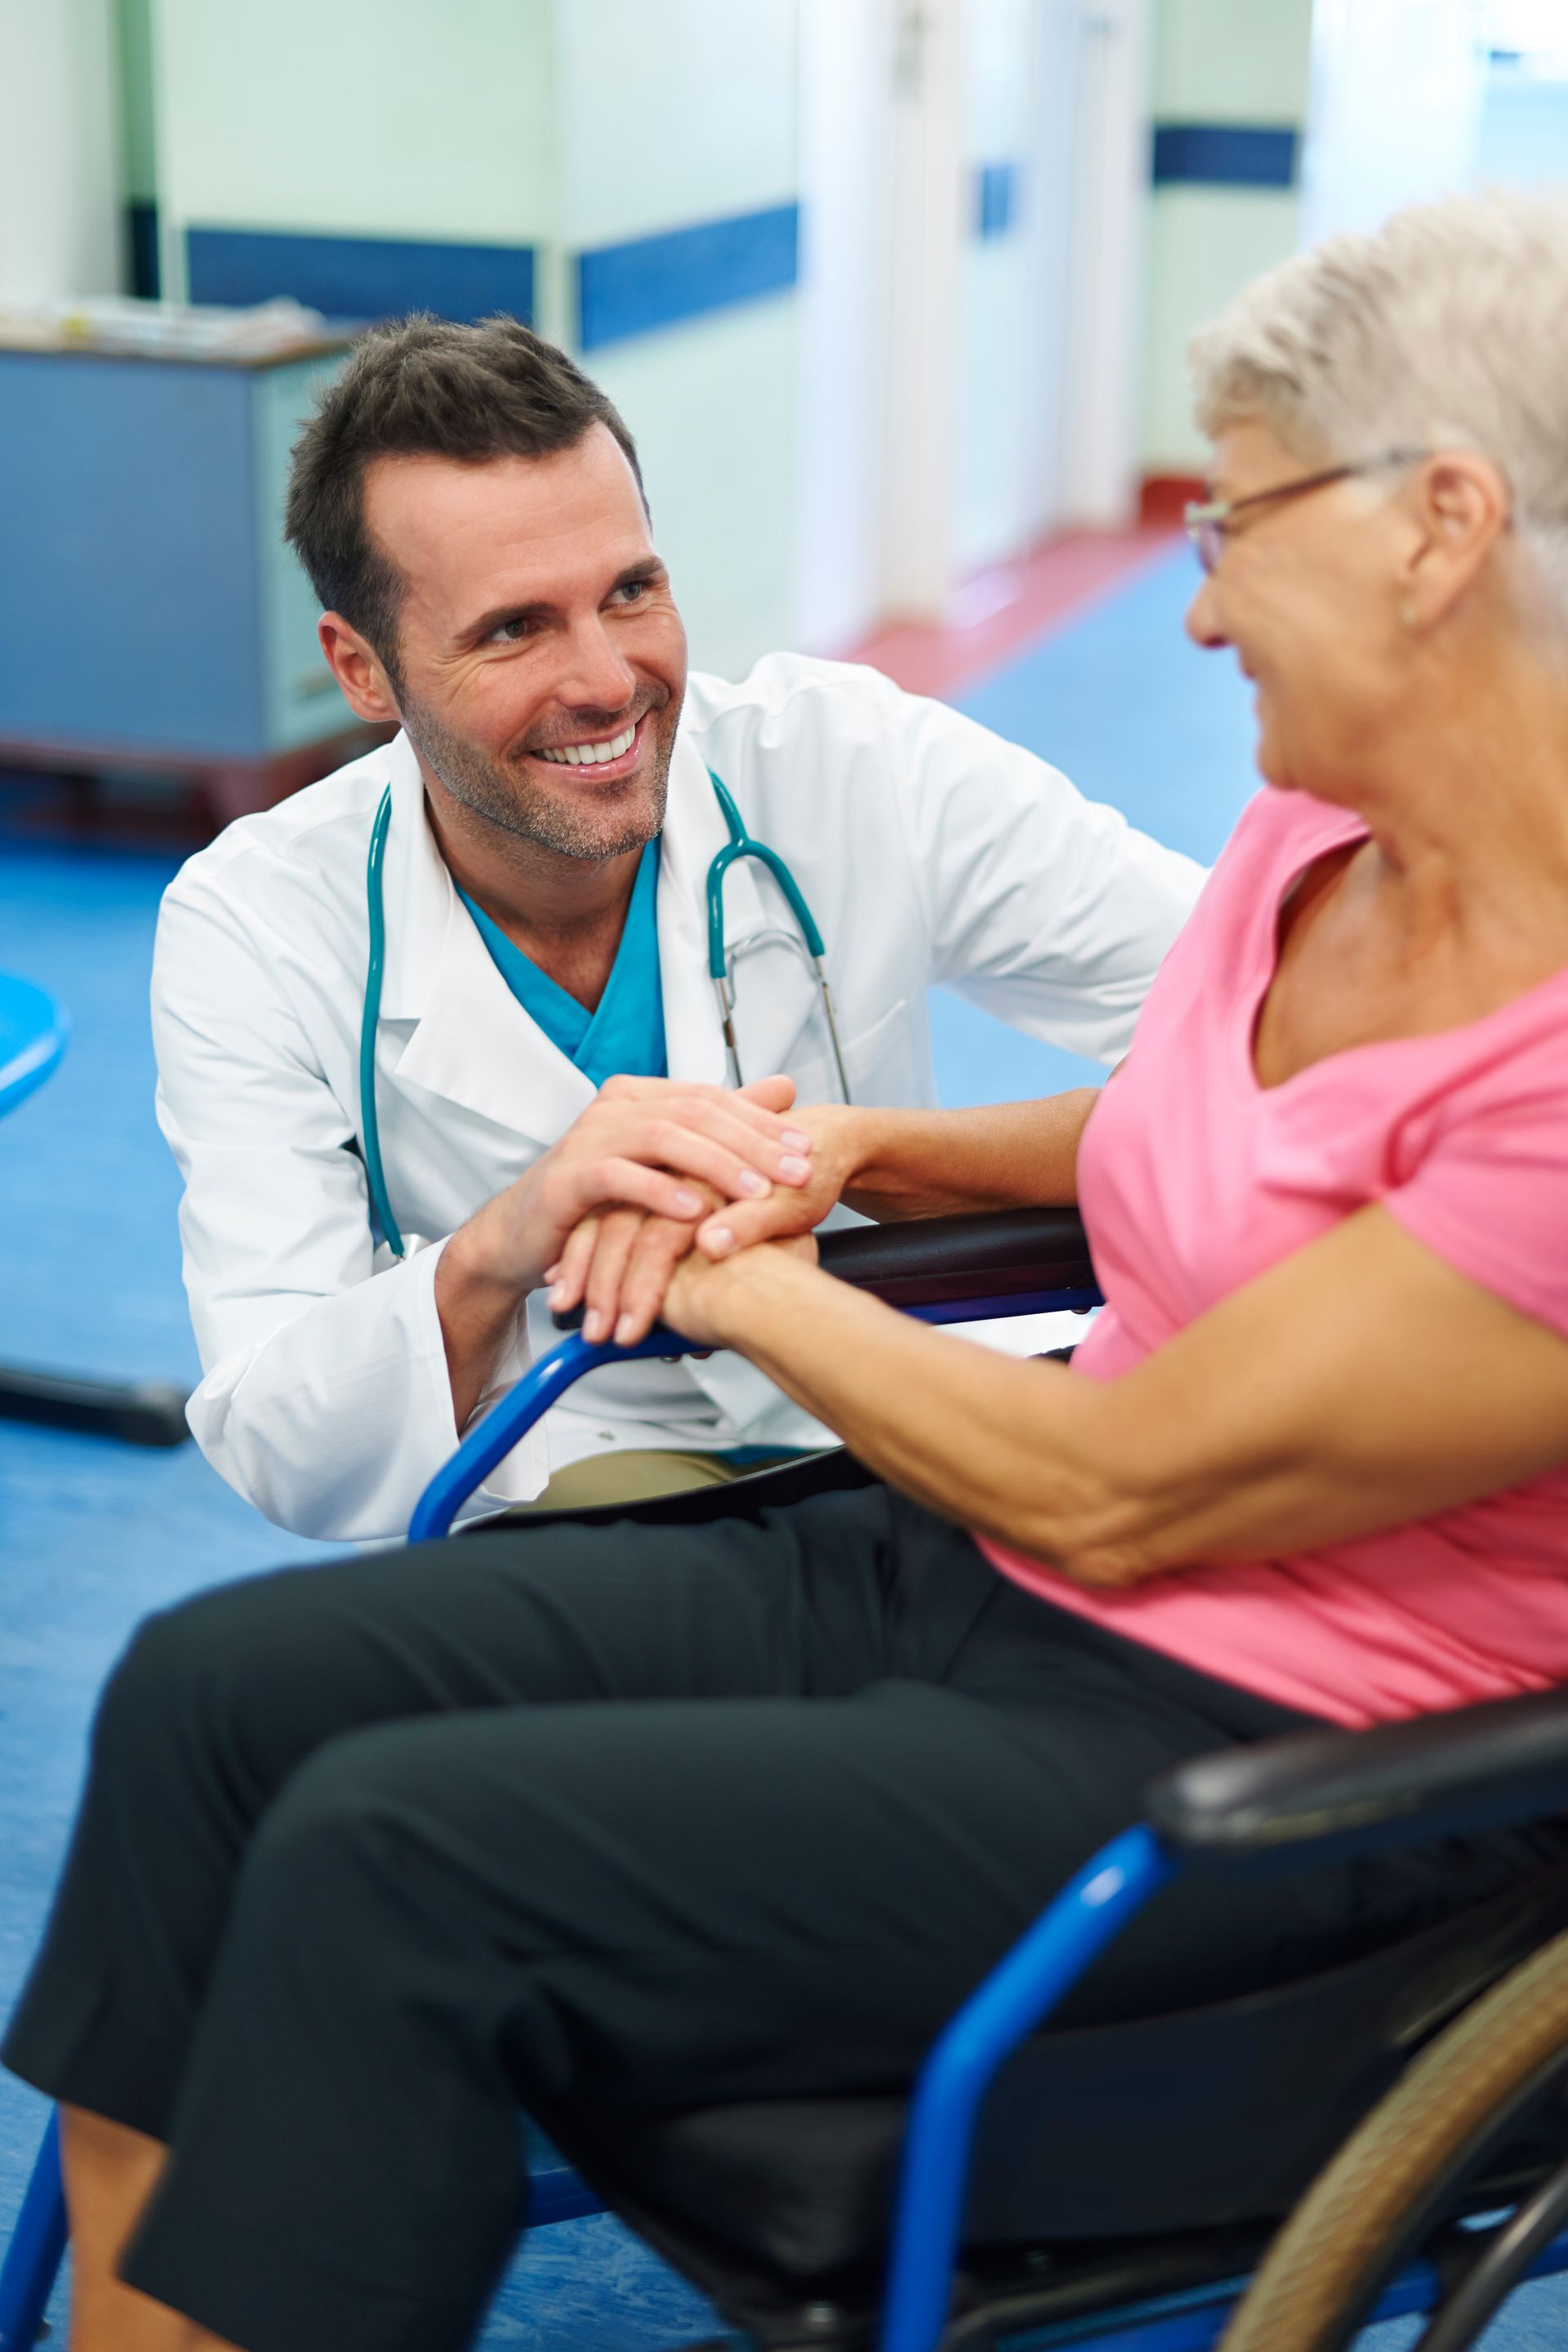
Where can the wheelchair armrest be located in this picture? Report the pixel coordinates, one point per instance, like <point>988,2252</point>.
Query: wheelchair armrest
<point>931,1260</point>
<point>939,1261</point>
<point>1399,1784</point>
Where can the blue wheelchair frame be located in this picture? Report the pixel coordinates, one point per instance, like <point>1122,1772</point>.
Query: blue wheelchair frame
<point>1017,1997</point>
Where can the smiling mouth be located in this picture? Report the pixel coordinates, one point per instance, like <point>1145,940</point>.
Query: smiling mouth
<point>602,752</point>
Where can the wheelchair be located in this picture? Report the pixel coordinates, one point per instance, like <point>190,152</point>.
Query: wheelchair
<point>1384,2137</point>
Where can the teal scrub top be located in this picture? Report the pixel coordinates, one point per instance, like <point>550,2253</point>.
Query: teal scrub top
<point>626,1032</point>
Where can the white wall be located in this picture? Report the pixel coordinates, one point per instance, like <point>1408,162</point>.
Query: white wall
<point>666,116</point>
<point>392,120</point>
<point>60,229</point>
<point>1218,61</point>
<point>1204,246</point>
<point>712,405</point>
<point>559,124</point>
<point>1366,156</point>
<point>959,396</point>
<point>928,197</point>
<point>667,113</point>
<point>1108,268</point>
<point>845,81</point>
<point>1020,72</point>
<point>133,51</point>
<point>817,460</point>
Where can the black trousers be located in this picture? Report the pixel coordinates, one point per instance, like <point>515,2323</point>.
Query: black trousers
<point>371,1855</point>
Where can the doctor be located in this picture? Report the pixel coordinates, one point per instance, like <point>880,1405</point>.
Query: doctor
<point>385,1011</point>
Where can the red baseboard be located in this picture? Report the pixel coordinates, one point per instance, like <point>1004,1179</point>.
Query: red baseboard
<point>1000,611</point>
<point>1163,496</point>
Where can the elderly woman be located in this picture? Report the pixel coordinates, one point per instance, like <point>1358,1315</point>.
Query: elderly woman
<point>371,1855</point>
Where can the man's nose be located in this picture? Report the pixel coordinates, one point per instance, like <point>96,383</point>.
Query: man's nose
<point>593,675</point>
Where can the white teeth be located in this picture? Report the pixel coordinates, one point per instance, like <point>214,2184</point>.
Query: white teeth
<point>593,755</point>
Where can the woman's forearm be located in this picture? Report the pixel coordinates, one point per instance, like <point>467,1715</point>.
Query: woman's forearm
<point>1011,1449</point>
<point>895,1165</point>
<point>1360,1383</point>
<point>927,1164</point>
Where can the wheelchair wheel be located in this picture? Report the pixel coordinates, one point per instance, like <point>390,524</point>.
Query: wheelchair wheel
<point>1398,2177</point>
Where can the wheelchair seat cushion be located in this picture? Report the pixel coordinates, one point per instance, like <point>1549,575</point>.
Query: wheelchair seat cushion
<point>1195,2120</point>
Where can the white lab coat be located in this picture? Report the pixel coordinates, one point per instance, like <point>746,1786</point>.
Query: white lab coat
<point>928,849</point>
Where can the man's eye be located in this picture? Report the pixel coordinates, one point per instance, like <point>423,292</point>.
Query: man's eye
<point>631,591</point>
<point>511,633</point>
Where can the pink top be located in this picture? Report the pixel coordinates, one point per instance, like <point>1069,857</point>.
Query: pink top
<point>1194,1179</point>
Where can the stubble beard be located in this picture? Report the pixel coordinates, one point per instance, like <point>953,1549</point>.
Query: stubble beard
<point>508,796</point>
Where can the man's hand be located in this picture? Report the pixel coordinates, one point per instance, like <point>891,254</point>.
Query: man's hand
<point>656,1145</point>
<point>619,1264</point>
<point>634,1146</point>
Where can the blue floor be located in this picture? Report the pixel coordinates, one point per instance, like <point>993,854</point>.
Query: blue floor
<point>93,1535</point>
<point>1137,716</point>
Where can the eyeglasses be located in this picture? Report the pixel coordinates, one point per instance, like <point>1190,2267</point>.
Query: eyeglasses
<point>1209,525</point>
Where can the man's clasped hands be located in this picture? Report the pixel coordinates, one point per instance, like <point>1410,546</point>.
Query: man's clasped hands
<point>659,1183</point>
<point>751,1168</point>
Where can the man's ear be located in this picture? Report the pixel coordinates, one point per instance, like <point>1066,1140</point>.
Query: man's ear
<point>358,669</point>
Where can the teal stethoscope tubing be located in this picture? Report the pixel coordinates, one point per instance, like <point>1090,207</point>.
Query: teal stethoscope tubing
<point>375,902</point>
<point>740,845</point>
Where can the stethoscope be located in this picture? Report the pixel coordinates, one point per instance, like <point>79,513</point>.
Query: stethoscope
<point>740,845</point>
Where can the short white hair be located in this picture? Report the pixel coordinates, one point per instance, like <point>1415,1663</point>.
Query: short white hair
<point>1446,329</point>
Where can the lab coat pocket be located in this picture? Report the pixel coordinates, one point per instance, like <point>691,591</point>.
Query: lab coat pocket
<point>887,1063</point>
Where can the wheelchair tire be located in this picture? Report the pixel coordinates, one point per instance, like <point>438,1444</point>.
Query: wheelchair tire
<point>1375,2203</point>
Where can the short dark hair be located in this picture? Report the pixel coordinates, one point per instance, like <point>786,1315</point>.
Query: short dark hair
<point>419,387</point>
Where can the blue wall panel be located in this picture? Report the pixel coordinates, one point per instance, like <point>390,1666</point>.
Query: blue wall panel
<point>656,282</point>
<point>996,191</point>
<point>128,611</point>
<point>360,276</point>
<point>1224,155</point>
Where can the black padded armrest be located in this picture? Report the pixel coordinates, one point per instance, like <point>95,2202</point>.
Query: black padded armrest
<point>1477,1767</point>
<point>934,1261</point>
<point>931,1260</point>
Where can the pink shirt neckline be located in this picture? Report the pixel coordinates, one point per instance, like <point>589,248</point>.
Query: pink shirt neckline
<point>1352,828</point>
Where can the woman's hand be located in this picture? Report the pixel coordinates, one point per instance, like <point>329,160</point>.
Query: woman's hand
<point>700,1289</point>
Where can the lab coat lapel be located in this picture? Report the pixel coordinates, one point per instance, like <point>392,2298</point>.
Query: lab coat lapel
<point>416,892</point>
<point>472,1042</point>
<point>694,1039</point>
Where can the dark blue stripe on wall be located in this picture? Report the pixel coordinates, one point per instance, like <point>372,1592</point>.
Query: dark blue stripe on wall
<point>360,276</point>
<point>996,187</point>
<point>656,282</point>
<point>1224,155</point>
